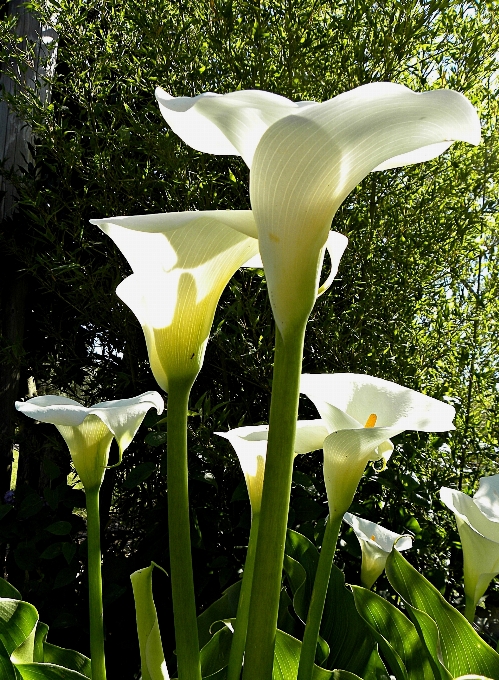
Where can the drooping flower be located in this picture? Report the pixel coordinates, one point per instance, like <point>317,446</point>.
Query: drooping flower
<point>376,544</point>
<point>89,432</point>
<point>305,158</point>
<point>181,263</point>
<point>477,521</point>
<point>362,413</point>
<point>250,445</point>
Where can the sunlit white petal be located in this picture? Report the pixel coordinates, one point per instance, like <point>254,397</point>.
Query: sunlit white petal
<point>182,263</point>
<point>250,445</point>
<point>376,543</point>
<point>477,521</point>
<point>88,432</point>
<point>229,124</point>
<point>307,163</point>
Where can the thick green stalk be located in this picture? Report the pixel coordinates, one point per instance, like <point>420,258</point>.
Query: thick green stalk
<point>241,626</point>
<point>316,607</point>
<point>184,606</point>
<point>265,592</point>
<point>95,586</point>
<point>469,609</point>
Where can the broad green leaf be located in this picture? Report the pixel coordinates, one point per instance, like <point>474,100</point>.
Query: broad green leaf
<point>215,655</point>
<point>462,649</point>
<point>349,637</point>
<point>40,636</point>
<point>18,621</point>
<point>42,671</point>
<point>287,658</point>
<point>139,474</point>
<point>59,528</point>
<point>8,590</point>
<point>7,671</point>
<point>152,658</point>
<point>68,658</point>
<point>396,635</point>
<point>301,558</point>
<point>224,608</point>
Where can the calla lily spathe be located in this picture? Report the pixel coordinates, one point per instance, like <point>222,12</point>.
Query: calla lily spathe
<point>376,544</point>
<point>305,158</point>
<point>181,263</point>
<point>477,521</point>
<point>89,432</point>
<point>250,445</point>
<point>362,413</point>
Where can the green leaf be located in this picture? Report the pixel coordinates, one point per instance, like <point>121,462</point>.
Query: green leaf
<point>7,671</point>
<point>43,671</point>
<point>223,609</point>
<point>65,576</point>
<point>151,649</point>
<point>139,474</point>
<point>26,557</point>
<point>352,645</point>
<point>67,658</point>
<point>300,565</point>
<point>396,635</point>
<point>51,551</point>
<point>462,649</point>
<point>68,550</point>
<point>287,658</point>
<point>155,438</point>
<point>59,528</point>
<point>214,655</point>
<point>30,506</point>
<point>4,509</point>
<point>18,621</point>
<point>8,590</point>
<point>51,469</point>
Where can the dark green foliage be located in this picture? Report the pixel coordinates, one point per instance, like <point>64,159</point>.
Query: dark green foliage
<point>415,300</point>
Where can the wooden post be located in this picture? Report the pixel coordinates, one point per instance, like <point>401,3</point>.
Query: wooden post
<point>16,137</point>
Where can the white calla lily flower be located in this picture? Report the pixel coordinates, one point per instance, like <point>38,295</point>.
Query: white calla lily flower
<point>89,432</point>
<point>477,521</point>
<point>362,413</point>
<point>250,445</point>
<point>181,263</point>
<point>306,157</point>
<point>376,544</point>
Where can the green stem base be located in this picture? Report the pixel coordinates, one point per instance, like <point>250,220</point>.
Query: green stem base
<point>314,617</point>
<point>95,586</point>
<point>264,605</point>
<point>184,606</point>
<point>241,626</point>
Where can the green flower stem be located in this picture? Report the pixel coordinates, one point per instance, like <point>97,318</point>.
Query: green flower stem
<point>95,585</point>
<point>241,626</point>
<point>265,592</point>
<point>184,606</point>
<point>316,607</point>
<point>469,609</point>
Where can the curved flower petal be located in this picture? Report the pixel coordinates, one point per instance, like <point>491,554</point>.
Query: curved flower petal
<point>359,396</point>
<point>479,533</point>
<point>346,454</point>
<point>335,245</point>
<point>123,417</point>
<point>376,544</point>
<point>250,445</point>
<point>229,124</point>
<point>308,162</point>
<point>53,409</point>
<point>487,497</point>
<point>88,432</point>
<point>180,271</point>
